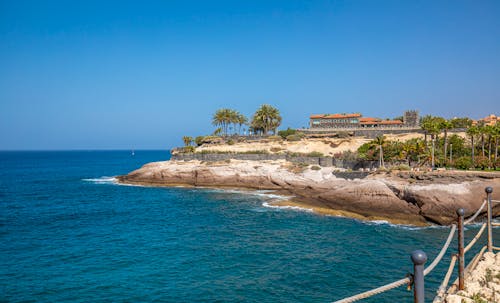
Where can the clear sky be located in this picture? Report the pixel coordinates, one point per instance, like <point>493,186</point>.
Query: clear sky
<point>141,74</point>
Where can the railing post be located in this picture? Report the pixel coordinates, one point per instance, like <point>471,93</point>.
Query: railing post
<point>489,190</point>
<point>418,258</point>
<point>461,261</point>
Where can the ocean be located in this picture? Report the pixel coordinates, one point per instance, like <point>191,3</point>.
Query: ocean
<point>69,233</point>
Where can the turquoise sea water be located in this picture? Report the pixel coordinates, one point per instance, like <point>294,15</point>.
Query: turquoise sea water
<point>69,234</point>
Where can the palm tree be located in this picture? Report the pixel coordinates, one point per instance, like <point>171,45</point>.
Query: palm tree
<point>241,120</point>
<point>433,128</point>
<point>446,125</point>
<point>419,149</point>
<point>490,131</point>
<point>380,141</point>
<point>408,150</point>
<point>482,131</point>
<point>431,125</point>
<point>187,140</point>
<point>496,136</point>
<point>224,117</point>
<point>266,118</point>
<point>472,131</point>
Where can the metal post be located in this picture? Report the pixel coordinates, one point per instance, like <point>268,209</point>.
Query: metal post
<point>489,190</point>
<point>418,258</point>
<point>461,261</point>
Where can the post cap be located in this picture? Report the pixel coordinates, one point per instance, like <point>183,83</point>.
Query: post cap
<point>418,257</point>
<point>488,190</point>
<point>461,212</point>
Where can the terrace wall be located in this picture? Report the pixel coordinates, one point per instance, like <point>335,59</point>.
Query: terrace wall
<point>320,161</point>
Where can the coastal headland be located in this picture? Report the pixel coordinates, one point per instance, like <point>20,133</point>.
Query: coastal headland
<point>401,197</point>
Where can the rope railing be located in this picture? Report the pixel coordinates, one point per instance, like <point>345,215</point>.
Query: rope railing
<point>442,288</point>
<point>443,250</point>
<point>375,291</point>
<point>468,221</point>
<point>474,240</point>
<point>419,258</point>
<point>468,269</point>
<point>401,282</point>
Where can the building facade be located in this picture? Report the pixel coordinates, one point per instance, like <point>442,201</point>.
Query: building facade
<point>357,121</point>
<point>490,120</point>
<point>334,121</point>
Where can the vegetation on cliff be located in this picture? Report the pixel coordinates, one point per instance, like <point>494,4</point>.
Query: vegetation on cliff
<point>459,142</point>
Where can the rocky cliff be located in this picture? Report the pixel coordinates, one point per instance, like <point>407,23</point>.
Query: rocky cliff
<point>415,198</point>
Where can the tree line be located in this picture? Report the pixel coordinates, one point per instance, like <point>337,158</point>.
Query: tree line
<point>266,119</point>
<point>438,148</point>
<point>227,121</point>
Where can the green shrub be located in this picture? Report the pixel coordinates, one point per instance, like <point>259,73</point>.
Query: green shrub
<point>212,140</point>
<point>404,167</point>
<point>187,150</point>
<point>464,162</point>
<point>199,140</point>
<point>315,167</point>
<point>347,155</point>
<point>294,137</point>
<point>230,142</point>
<point>315,154</point>
<point>274,138</point>
<point>287,132</point>
<point>482,162</point>
<point>275,149</point>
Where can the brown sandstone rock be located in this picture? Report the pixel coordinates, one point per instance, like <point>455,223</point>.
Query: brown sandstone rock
<point>386,196</point>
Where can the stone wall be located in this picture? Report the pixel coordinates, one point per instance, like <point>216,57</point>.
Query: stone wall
<point>320,161</point>
<point>223,157</point>
<point>373,133</point>
<point>351,175</point>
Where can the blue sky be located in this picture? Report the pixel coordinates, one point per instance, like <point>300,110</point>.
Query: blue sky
<point>141,74</point>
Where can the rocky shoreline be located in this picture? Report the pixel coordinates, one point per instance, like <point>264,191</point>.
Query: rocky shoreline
<point>417,198</point>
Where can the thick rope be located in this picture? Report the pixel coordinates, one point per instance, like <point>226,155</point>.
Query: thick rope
<point>496,201</point>
<point>441,253</point>
<point>495,223</point>
<point>434,263</point>
<point>442,288</point>
<point>398,283</point>
<point>476,214</point>
<point>375,291</point>
<point>468,269</point>
<point>473,241</point>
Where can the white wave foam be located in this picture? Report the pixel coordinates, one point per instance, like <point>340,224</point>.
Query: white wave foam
<point>401,226</point>
<point>102,180</point>
<point>266,204</point>
<point>267,194</point>
<point>110,180</point>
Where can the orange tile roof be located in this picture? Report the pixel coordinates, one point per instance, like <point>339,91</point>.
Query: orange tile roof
<point>368,119</point>
<point>489,120</point>
<point>335,116</point>
<point>391,122</point>
<point>382,122</point>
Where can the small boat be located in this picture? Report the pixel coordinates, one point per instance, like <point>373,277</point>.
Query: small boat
<point>133,153</point>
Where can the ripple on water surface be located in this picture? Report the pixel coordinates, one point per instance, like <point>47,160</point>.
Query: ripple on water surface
<point>70,235</point>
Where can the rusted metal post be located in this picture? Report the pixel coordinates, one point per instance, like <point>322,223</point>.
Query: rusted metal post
<point>418,258</point>
<point>461,261</point>
<point>489,190</point>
